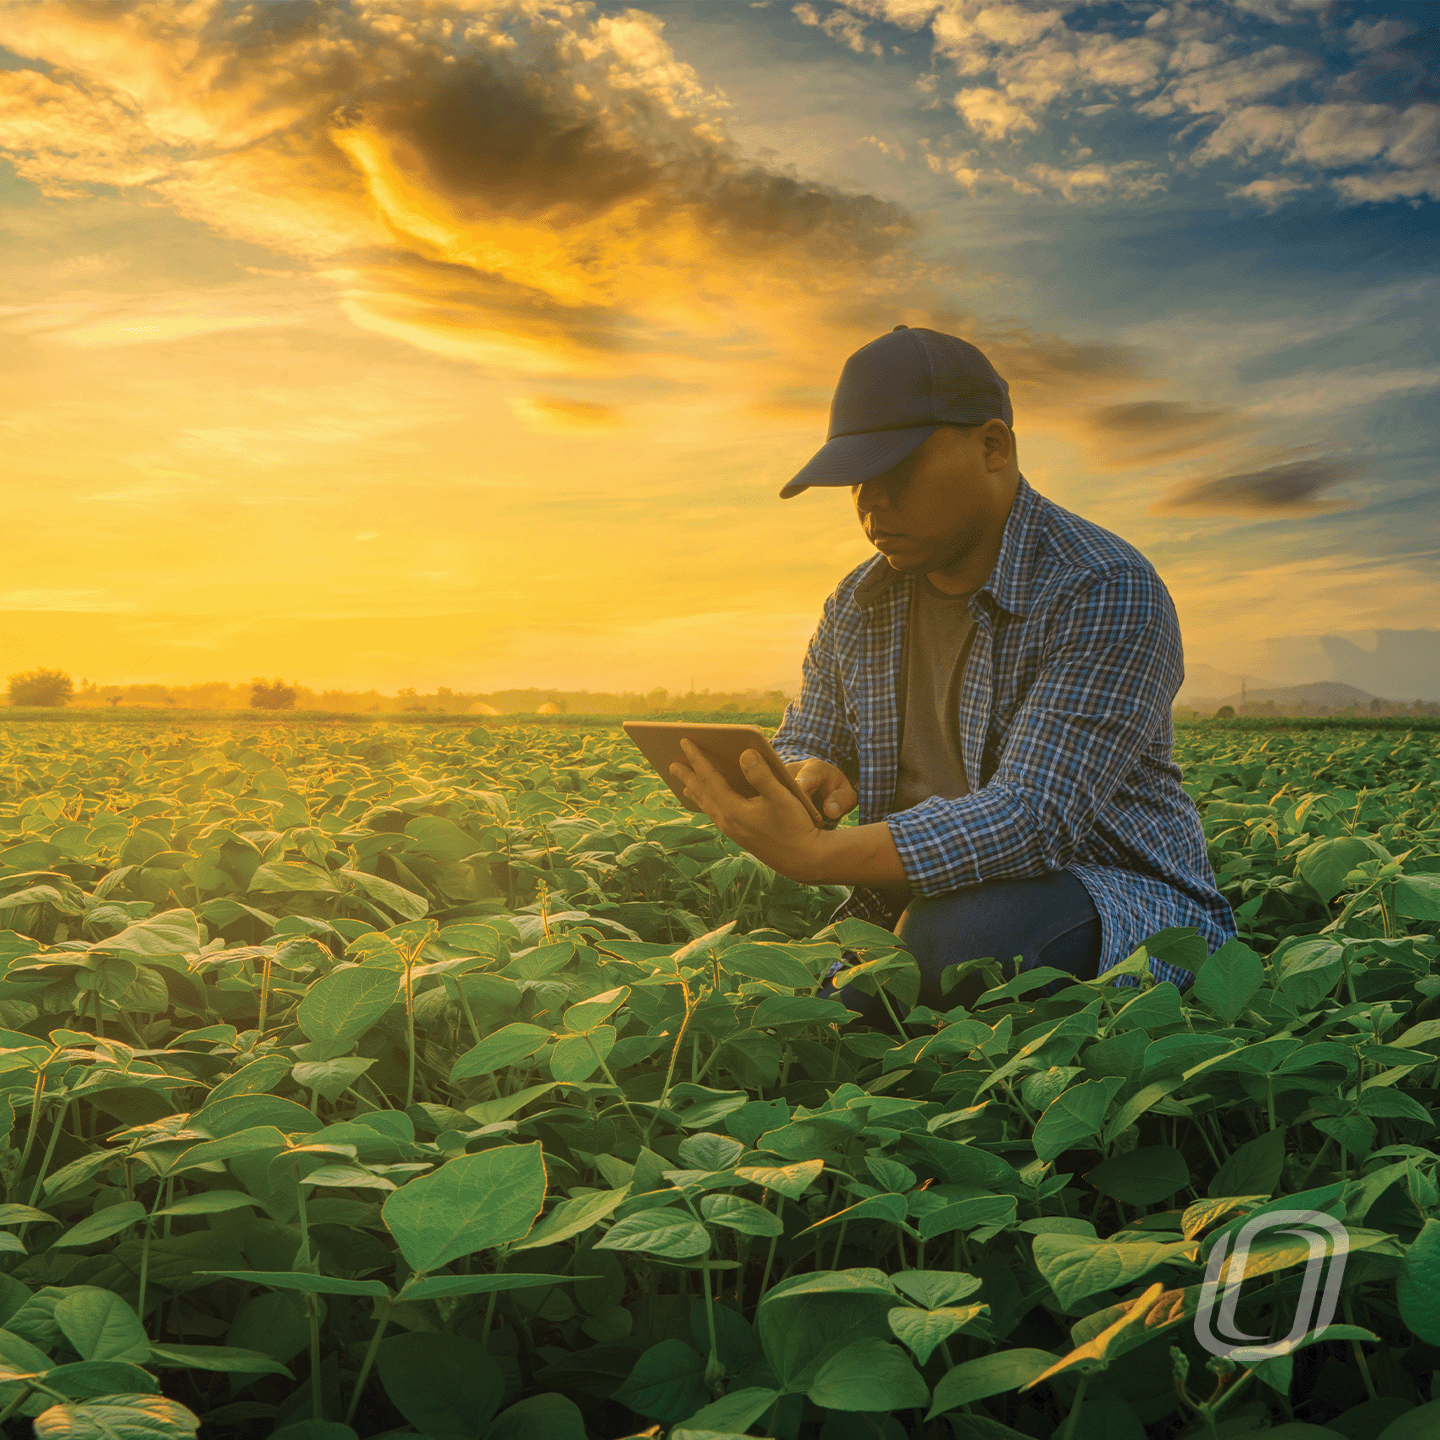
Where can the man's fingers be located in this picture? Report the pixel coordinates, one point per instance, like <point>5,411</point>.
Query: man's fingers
<point>839,795</point>
<point>758,773</point>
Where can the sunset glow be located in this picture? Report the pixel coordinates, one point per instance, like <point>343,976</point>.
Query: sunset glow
<point>470,343</point>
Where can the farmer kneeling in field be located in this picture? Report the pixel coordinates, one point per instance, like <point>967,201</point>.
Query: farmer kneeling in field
<point>992,689</point>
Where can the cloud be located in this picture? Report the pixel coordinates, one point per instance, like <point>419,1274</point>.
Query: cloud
<point>1363,36</point>
<point>553,414</point>
<point>1238,91</point>
<point>1151,432</point>
<point>1218,89</point>
<point>992,113</point>
<point>1279,490</point>
<point>885,147</point>
<point>1339,136</point>
<point>526,186</point>
<point>843,25</point>
<point>1271,191</point>
<point>1099,181</point>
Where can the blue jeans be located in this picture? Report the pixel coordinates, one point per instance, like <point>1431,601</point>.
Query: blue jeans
<point>1047,920</point>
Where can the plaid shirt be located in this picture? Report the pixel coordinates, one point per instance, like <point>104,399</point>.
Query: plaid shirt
<point>1064,723</point>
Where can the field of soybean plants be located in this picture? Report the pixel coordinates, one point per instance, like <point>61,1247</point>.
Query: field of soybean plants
<point>376,1080</point>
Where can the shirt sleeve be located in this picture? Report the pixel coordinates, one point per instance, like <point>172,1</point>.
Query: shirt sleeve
<point>814,723</point>
<point>1110,672</point>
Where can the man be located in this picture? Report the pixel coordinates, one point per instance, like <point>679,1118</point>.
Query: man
<point>992,689</point>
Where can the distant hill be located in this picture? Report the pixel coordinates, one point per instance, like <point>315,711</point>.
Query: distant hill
<point>1318,692</point>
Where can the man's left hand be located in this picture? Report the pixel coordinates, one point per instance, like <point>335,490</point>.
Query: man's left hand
<point>773,826</point>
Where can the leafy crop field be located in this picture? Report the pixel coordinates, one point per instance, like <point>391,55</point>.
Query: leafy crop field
<point>376,1080</point>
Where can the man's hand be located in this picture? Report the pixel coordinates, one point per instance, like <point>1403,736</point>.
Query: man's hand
<point>828,787</point>
<point>778,831</point>
<point>773,826</point>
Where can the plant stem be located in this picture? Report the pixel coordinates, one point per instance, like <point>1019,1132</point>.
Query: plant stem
<point>34,1122</point>
<point>1069,1431</point>
<point>60,1115</point>
<point>317,1400</point>
<point>382,1319</point>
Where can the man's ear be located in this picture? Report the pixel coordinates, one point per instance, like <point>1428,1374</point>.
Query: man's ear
<point>998,443</point>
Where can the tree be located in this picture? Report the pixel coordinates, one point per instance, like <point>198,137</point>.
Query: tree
<point>275,696</point>
<point>115,700</point>
<point>1225,712</point>
<point>41,687</point>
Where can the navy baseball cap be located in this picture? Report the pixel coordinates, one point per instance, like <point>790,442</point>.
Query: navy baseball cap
<point>896,392</point>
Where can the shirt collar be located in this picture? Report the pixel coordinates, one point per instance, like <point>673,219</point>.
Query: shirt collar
<point>1009,582</point>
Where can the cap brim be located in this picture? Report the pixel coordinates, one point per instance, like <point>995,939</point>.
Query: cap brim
<point>854,459</point>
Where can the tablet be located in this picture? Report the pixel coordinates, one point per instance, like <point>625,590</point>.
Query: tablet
<point>659,743</point>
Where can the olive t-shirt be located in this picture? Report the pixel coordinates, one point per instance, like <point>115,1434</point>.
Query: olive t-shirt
<point>932,669</point>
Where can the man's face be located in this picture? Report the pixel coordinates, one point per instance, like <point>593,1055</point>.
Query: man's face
<point>943,501</point>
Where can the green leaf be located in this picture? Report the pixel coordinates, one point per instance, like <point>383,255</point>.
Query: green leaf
<point>1326,863</point>
<point>732,1414</point>
<point>1204,1213</point>
<point>994,1374</point>
<point>589,1013</point>
<point>736,1213</point>
<point>1229,980</point>
<point>540,1417</point>
<point>440,839</point>
<point>933,1289</point>
<point>572,1217</point>
<point>762,961</point>
<point>890,1209</point>
<point>1354,1132</point>
<point>172,932</point>
<point>433,1287</point>
<point>1417,1424</point>
<point>471,1203</point>
<point>252,1141</point>
<point>303,1280</point>
<point>869,1375</point>
<point>292,877</point>
<point>213,1202</point>
<point>247,1112</point>
<point>344,1005</point>
<point>1075,1266</point>
<point>667,1383</point>
<point>920,1331</point>
<point>1074,1116</point>
<point>313,1430</point>
<point>1142,1177</point>
<point>791,1181</point>
<point>101,1225</point>
<point>668,1233</point>
<point>404,903</point>
<point>117,1417</point>
<point>966,1215</point>
<point>1254,1169</point>
<point>26,1214</point>
<point>445,1385</point>
<point>1417,897</point>
<point>507,1046</point>
<point>229,1359</point>
<point>1418,1285</point>
<point>87,1379</point>
<point>577,1057</point>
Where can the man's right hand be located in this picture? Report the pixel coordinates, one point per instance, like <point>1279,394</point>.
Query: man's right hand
<point>828,787</point>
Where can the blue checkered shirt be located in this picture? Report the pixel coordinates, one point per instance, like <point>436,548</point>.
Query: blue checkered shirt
<point>1064,723</point>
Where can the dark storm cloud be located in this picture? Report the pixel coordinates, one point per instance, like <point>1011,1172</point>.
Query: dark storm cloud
<point>1279,490</point>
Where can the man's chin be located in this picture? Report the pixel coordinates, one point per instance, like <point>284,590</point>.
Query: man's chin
<point>907,564</point>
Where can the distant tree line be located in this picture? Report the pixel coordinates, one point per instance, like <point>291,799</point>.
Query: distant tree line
<point>55,688</point>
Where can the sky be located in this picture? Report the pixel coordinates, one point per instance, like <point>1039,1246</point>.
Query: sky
<point>469,344</point>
